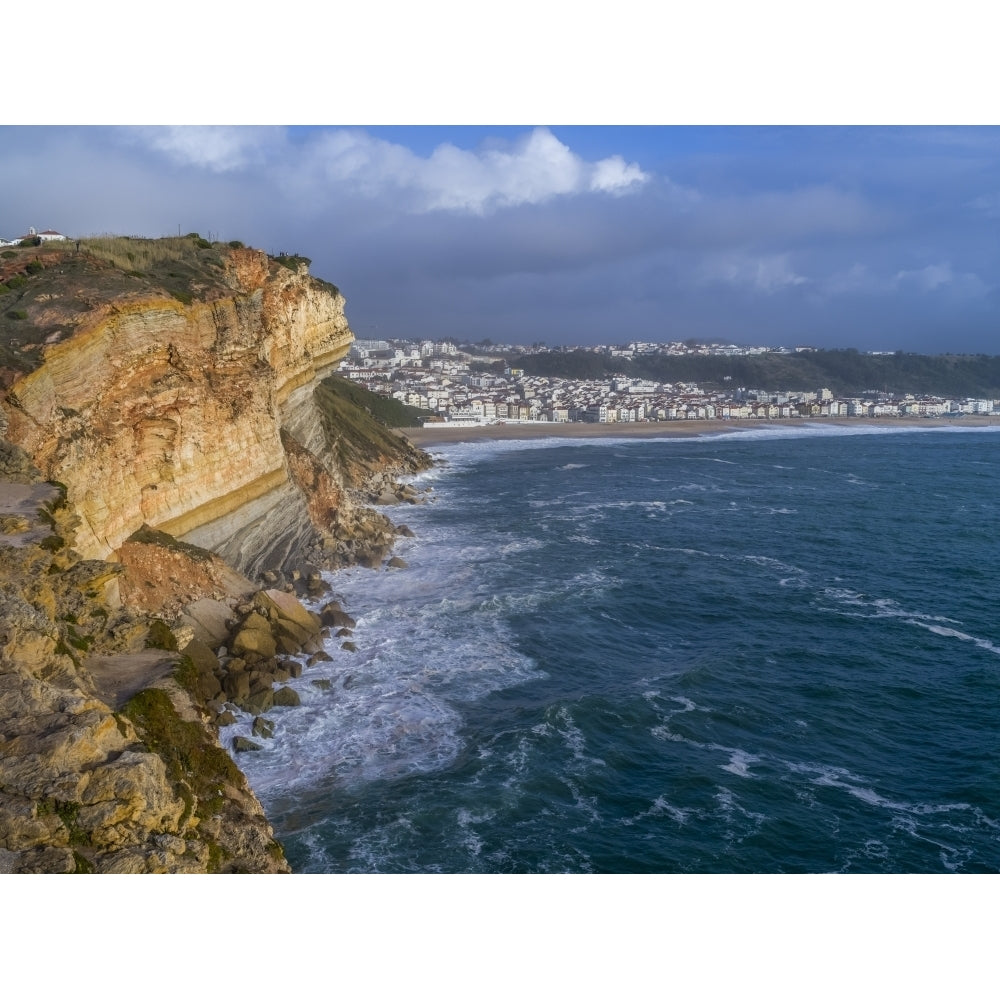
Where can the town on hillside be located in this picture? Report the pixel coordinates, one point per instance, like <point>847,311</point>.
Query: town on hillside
<point>471,386</point>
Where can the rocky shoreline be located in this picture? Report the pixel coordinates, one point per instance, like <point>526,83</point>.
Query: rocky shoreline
<point>178,466</point>
<point>111,713</point>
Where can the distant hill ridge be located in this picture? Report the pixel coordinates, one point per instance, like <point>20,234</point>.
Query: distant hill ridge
<point>847,372</point>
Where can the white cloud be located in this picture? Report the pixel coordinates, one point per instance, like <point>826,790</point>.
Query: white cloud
<point>219,148</point>
<point>988,204</point>
<point>927,278</point>
<point>858,278</point>
<point>939,277</point>
<point>767,273</point>
<point>942,277</point>
<point>533,170</point>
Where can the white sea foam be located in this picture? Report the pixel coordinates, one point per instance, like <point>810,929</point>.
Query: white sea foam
<point>739,762</point>
<point>467,452</point>
<point>660,807</point>
<point>430,638</point>
<point>881,607</point>
<point>950,633</point>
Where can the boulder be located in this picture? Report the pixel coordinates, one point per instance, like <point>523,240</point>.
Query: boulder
<point>349,646</point>
<point>287,696</point>
<point>242,745</point>
<point>258,703</point>
<point>396,563</point>
<point>237,685</point>
<point>288,609</point>
<point>209,620</point>
<point>263,728</point>
<point>255,640</point>
<point>334,616</point>
<point>293,632</point>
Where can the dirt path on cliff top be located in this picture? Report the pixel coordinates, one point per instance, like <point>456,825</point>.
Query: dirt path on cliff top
<point>116,678</point>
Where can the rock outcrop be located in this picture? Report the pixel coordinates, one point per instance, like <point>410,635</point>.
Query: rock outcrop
<point>200,419</point>
<point>106,761</point>
<point>166,436</point>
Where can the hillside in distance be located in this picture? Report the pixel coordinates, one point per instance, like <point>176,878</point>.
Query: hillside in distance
<point>847,372</point>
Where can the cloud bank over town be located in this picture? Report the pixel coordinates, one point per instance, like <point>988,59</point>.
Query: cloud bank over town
<point>874,238</point>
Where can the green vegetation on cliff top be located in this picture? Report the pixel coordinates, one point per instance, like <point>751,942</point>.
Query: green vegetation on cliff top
<point>356,421</point>
<point>45,289</point>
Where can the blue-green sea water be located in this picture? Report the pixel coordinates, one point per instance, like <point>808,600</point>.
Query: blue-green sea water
<point>769,651</point>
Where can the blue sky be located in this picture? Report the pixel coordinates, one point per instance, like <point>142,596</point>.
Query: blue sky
<point>872,237</point>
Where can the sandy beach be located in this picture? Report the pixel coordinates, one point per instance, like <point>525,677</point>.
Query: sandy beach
<point>424,437</point>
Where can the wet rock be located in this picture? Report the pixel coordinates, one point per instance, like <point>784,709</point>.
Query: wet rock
<point>349,646</point>
<point>396,563</point>
<point>322,684</point>
<point>257,703</point>
<point>262,728</point>
<point>334,616</point>
<point>242,745</point>
<point>286,696</point>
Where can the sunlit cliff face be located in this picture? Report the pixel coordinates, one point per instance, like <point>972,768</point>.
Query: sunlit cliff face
<point>157,412</point>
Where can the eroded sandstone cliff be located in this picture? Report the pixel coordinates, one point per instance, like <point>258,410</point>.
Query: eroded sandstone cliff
<point>106,763</point>
<point>198,418</point>
<point>148,417</point>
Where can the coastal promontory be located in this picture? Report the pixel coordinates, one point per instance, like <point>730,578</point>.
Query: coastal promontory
<point>176,473</point>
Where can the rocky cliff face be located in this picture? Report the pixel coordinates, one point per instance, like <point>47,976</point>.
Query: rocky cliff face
<point>106,763</point>
<point>149,417</point>
<point>198,419</point>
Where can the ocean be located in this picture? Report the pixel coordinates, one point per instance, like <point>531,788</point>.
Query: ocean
<point>775,650</point>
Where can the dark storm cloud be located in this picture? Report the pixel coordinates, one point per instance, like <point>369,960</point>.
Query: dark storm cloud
<point>873,238</point>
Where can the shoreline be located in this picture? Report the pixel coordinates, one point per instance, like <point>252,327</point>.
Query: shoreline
<point>424,438</point>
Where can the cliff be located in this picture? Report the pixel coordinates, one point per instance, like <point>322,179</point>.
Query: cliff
<point>167,436</point>
<point>195,417</point>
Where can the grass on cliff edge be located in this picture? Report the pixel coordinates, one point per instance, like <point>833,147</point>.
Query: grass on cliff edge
<point>196,767</point>
<point>385,410</point>
<point>358,436</point>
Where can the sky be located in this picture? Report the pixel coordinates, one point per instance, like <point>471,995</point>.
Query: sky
<point>877,238</point>
<point>739,219</point>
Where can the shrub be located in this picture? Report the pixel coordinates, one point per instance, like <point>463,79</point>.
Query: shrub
<point>18,281</point>
<point>4,289</point>
<point>34,266</point>
<point>235,245</point>
<point>292,261</point>
<point>203,244</point>
<point>160,636</point>
<point>7,254</point>
<point>31,241</point>
<point>17,314</point>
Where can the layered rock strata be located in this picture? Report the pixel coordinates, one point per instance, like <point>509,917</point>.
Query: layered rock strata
<point>201,419</point>
<point>161,425</point>
<point>107,761</point>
